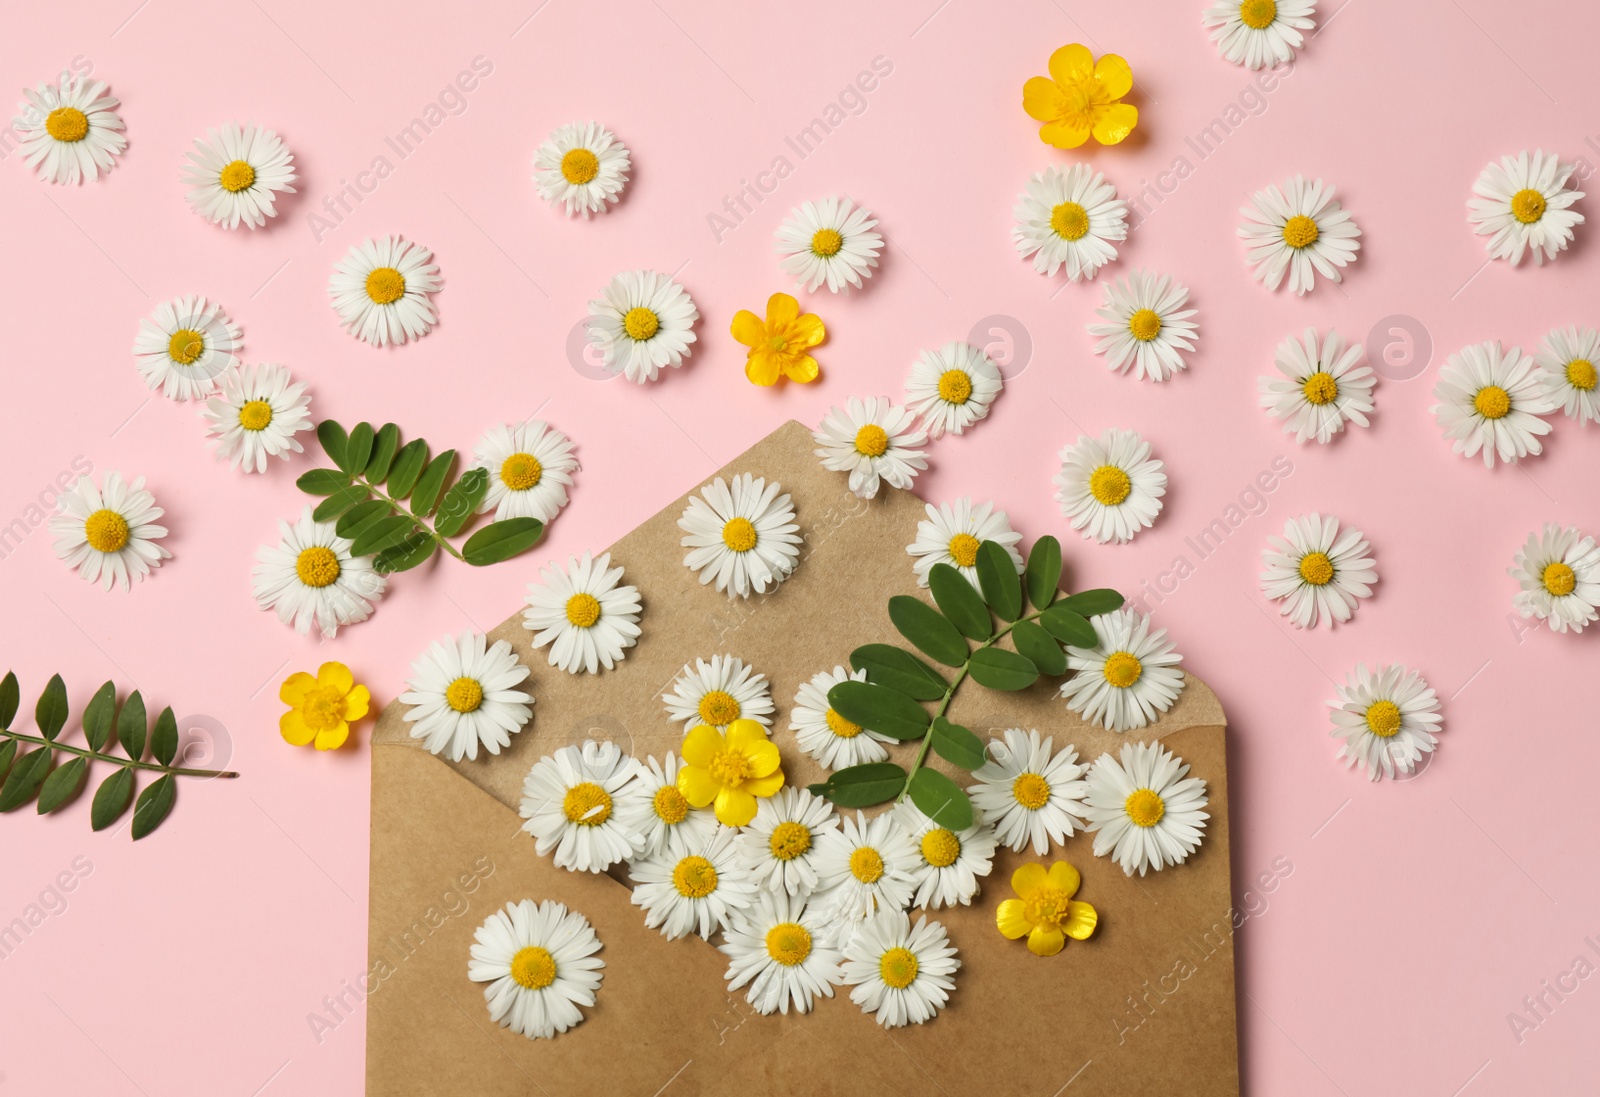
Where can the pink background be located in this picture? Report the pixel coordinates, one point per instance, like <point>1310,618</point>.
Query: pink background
<point>1417,915</point>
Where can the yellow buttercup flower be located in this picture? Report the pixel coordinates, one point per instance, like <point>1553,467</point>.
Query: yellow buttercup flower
<point>321,709</point>
<point>731,769</point>
<point>1081,97</point>
<point>1044,910</point>
<point>779,347</point>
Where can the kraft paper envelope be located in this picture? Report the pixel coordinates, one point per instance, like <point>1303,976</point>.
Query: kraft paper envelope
<point>1144,1006</point>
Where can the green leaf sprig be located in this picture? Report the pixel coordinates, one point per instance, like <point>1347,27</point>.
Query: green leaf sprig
<point>29,774</point>
<point>962,630</point>
<point>400,505</point>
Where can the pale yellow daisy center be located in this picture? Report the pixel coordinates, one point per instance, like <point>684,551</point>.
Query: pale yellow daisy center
<point>695,878</point>
<point>844,729</point>
<point>1300,231</point>
<point>1145,325</point>
<point>789,840</point>
<point>317,566</point>
<point>866,865</point>
<point>1527,205</point>
<point>1320,388</point>
<point>67,124</point>
<point>1069,221</point>
<point>640,323</point>
<point>940,847</point>
<point>1383,719</point>
<point>1122,669</point>
<point>533,968</point>
<point>1109,485</point>
<point>898,968</point>
<point>739,535</point>
<point>670,805</point>
<point>719,708</point>
<point>1581,374</point>
<point>521,471</point>
<point>237,176</point>
<point>579,166</point>
<point>464,694</point>
<point>185,346</point>
<point>1258,14</point>
<point>955,387</point>
<point>1492,402</point>
<point>1559,579</point>
<point>826,243</point>
<point>964,549</point>
<point>583,610</point>
<point>1145,807</point>
<point>255,415</point>
<point>106,531</point>
<point>788,943</point>
<point>1316,569</point>
<point>872,441</point>
<point>1031,791</point>
<point>586,804</point>
<point>385,286</point>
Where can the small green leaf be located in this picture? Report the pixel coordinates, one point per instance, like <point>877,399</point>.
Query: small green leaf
<point>8,751</point>
<point>63,785</point>
<point>99,715</point>
<point>863,786</point>
<point>1092,603</point>
<point>998,668</point>
<point>111,799</point>
<point>131,726</point>
<point>941,799</point>
<point>1042,577</point>
<point>928,629</point>
<point>459,503</point>
<point>51,711</point>
<point>411,552</point>
<point>1067,626</point>
<point>334,441</point>
<point>340,502</point>
<point>10,698</point>
<point>960,603</point>
<point>153,805</point>
<point>997,576</point>
<point>26,776</point>
<point>502,540</point>
<point>384,445</point>
<point>322,481</point>
<point>880,709</point>
<point>164,739</point>
<point>383,533</point>
<point>1035,645</point>
<point>358,517</point>
<point>887,665</point>
<point>408,464</point>
<point>431,483</point>
<point>358,449</point>
<point>954,743</point>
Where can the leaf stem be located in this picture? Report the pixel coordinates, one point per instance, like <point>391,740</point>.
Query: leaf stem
<point>405,511</point>
<point>125,763</point>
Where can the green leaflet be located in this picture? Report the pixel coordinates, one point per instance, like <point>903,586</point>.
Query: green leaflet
<point>10,698</point>
<point>27,774</point>
<point>384,445</point>
<point>1034,644</point>
<point>998,578</point>
<point>63,784</point>
<point>1042,577</point>
<point>1092,603</point>
<point>1068,627</point>
<point>940,799</point>
<point>862,786</point>
<point>99,715</point>
<point>502,540</point>
<point>929,630</point>
<point>51,712</point>
<point>879,709</point>
<point>960,604</point>
<point>153,806</point>
<point>998,668</point>
<point>111,799</point>
<point>957,744</point>
<point>899,670</point>
<point>131,726</point>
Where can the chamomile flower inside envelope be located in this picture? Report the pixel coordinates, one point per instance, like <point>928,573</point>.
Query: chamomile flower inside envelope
<point>791,792</point>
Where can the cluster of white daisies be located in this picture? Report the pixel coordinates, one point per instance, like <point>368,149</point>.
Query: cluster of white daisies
<point>1492,400</point>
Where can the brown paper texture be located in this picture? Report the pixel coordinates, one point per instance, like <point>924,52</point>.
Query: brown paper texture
<point>1146,1005</point>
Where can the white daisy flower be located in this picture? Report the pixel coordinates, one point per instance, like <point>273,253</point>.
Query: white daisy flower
<point>718,693</point>
<point>1128,678</point>
<point>781,947</point>
<point>1316,572</point>
<point>1028,794</point>
<point>257,416</point>
<point>952,388</point>
<point>1559,573</point>
<point>1069,217</point>
<point>1523,206</point>
<point>583,167</point>
<point>743,537</point>
<point>949,861</point>
<point>109,535</point>
<point>1145,812</point>
<point>539,962</point>
<point>579,803</point>
<point>465,692</point>
<point>235,174</point>
<point>530,469</point>
<point>863,868</point>
<point>661,814</point>
<point>697,892</point>
<point>1568,358</point>
<point>70,130</point>
<point>829,241</point>
<point>1490,400</point>
<point>582,611</point>
<point>1299,231</point>
<point>1319,390</point>
<point>822,733</point>
<point>779,847</point>
<point>952,534</point>
<point>1259,34</point>
<point>1386,719</point>
<point>310,578</point>
<point>901,973</point>
<point>184,346</point>
<point>873,440</point>
<point>380,291</point>
<point>1110,487</point>
<point>644,322</point>
<point>1148,328</point>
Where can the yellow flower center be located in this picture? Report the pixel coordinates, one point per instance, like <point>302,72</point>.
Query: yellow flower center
<point>1320,388</point>
<point>940,847</point>
<point>640,324</point>
<point>1492,402</point>
<point>1031,791</point>
<point>185,346</point>
<point>317,566</point>
<point>521,471</point>
<point>255,415</point>
<point>1145,325</point>
<point>1069,221</point>
<point>788,943</point>
<point>579,166</point>
<point>386,286</point>
<point>1581,374</point>
<point>1109,485</point>
<point>866,865</point>
<point>106,531</point>
<point>1383,719</point>
<point>695,878</point>
<point>873,441</point>
<point>1047,906</point>
<point>1144,807</point>
<point>323,708</point>
<point>844,729</point>
<point>826,243</point>
<point>67,124</point>
<point>730,767</point>
<point>670,805</point>
<point>237,176</point>
<point>1258,14</point>
<point>1122,669</point>
<point>898,967</point>
<point>464,694</point>
<point>1527,206</point>
<point>719,708</point>
<point>1300,231</point>
<point>739,535</point>
<point>1316,569</point>
<point>964,550</point>
<point>583,610</point>
<point>1559,579</point>
<point>586,804</point>
<point>533,968</point>
<point>789,840</point>
<point>955,387</point>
